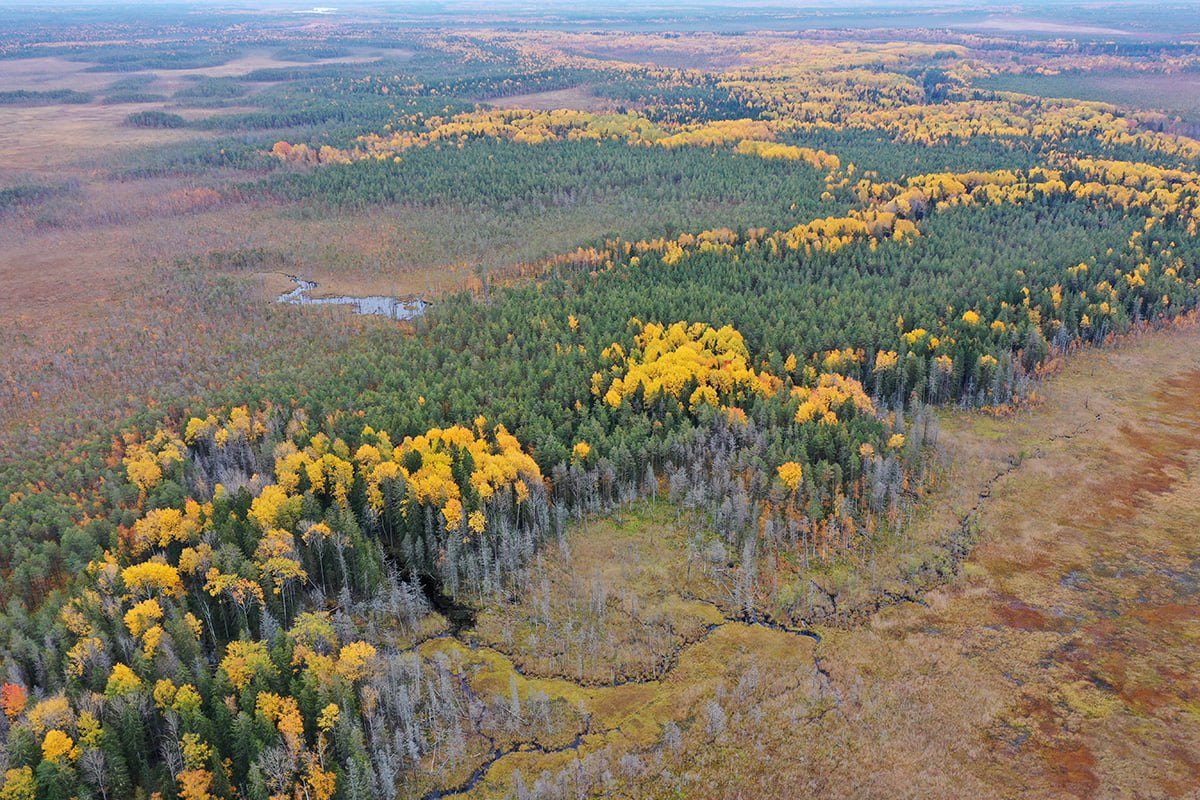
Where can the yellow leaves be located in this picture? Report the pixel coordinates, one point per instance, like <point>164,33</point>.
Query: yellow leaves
<point>311,635</point>
<point>187,700</point>
<point>144,473</point>
<point>285,714</point>
<point>378,475</point>
<point>196,752</point>
<point>164,693</point>
<point>288,465</point>
<point>244,661</point>
<point>496,465</point>
<point>895,441</point>
<point>332,476</point>
<point>971,317</point>
<point>53,712</point>
<point>718,132</point>
<point>327,720</point>
<point>240,425</point>
<point>303,154</point>
<point>613,353</point>
<point>238,589</point>
<point>831,394</point>
<point>122,681</point>
<point>19,784</point>
<point>278,560</point>
<point>667,359</point>
<point>58,747</point>
<point>354,660</point>
<point>273,504</point>
<point>142,616</point>
<point>817,159</point>
<point>163,526</point>
<point>518,125</point>
<point>145,463</point>
<point>886,360</point>
<point>452,511</point>
<point>74,619</point>
<point>829,234</point>
<point>317,532</point>
<point>83,652</point>
<point>89,729</point>
<point>835,360</point>
<point>198,429</point>
<point>791,474</point>
<point>703,396</point>
<point>673,254</point>
<point>195,784</point>
<point>580,452</point>
<point>319,783</point>
<point>477,522</point>
<point>195,559</point>
<point>152,576</point>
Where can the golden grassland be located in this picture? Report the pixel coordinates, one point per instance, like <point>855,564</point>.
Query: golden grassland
<point>1060,662</point>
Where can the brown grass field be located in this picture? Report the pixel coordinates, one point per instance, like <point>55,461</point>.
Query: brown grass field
<point>577,98</point>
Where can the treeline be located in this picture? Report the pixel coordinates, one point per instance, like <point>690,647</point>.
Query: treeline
<point>28,97</point>
<point>702,97</point>
<point>498,174</point>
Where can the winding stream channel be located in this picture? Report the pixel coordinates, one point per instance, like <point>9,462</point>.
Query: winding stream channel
<point>392,307</point>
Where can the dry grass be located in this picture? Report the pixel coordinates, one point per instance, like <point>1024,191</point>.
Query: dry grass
<point>576,98</point>
<point>44,139</point>
<point>615,603</point>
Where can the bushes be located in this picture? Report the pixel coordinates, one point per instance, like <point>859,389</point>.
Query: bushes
<point>155,119</point>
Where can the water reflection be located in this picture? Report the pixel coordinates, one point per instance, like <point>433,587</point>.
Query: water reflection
<point>374,304</point>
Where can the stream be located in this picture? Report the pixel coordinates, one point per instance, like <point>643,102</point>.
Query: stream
<point>392,307</point>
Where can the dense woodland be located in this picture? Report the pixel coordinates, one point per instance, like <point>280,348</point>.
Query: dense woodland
<point>227,594</point>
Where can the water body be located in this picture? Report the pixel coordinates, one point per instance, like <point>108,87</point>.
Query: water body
<point>383,305</point>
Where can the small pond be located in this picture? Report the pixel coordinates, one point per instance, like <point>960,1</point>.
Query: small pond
<point>383,305</point>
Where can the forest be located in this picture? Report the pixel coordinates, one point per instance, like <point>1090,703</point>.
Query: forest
<point>724,324</point>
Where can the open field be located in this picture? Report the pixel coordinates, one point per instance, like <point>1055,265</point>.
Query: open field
<point>1175,94</point>
<point>36,139</point>
<point>578,98</point>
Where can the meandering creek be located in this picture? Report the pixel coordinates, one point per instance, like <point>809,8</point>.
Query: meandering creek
<point>384,305</point>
